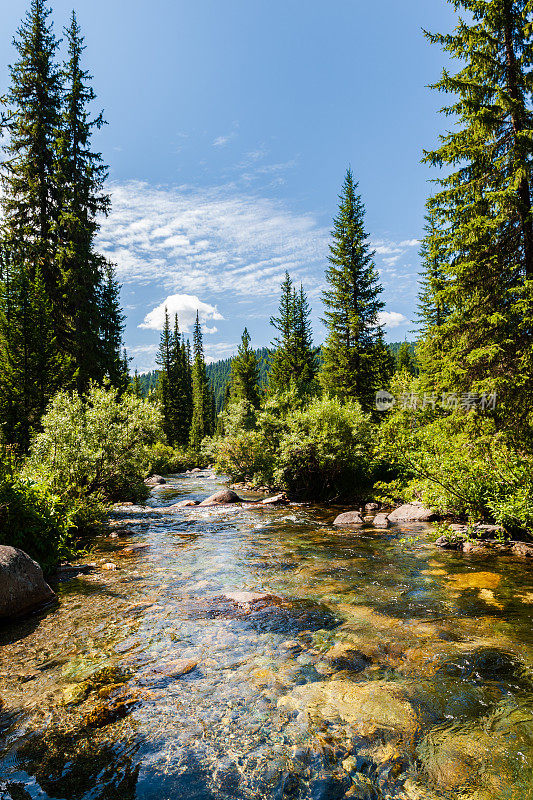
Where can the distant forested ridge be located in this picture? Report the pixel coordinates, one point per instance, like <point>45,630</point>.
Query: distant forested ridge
<point>219,372</point>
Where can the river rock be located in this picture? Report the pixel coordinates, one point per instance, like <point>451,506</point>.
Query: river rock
<point>182,504</point>
<point>522,549</point>
<point>104,715</point>
<point>276,500</point>
<point>154,480</point>
<point>22,585</point>
<point>381,521</point>
<point>177,668</point>
<point>374,707</point>
<point>196,470</point>
<point>478,531</point>
<point>448,543</point>
<point>222,498</point>
<point>344,656</point>
<point>270,613</point>
<point>349,518</point>
<point>412,512</point>
<point>371,507</point>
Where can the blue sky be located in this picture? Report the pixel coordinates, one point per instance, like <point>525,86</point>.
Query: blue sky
<point>231,124</point>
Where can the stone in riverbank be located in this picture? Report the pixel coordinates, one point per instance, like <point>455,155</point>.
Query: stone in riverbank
<point>349,518</point>
<point>276,500</point>
<point>381,521</point>
<point>412,512</point>
<point>222,498</point>
<point>154,480</point>
<point>491,547</point>
<point>22,585</point>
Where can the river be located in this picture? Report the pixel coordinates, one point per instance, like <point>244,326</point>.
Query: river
<point>259,652</point>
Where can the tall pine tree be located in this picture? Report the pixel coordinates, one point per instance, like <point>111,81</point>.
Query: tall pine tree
<point>352,305</point>
<point>30,199</point>
<point>482,211</point>
<point>80,176</point>
<point>203,423</point>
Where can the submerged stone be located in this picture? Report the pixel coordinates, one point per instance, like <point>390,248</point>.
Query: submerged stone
<point>475,580</point>
<point>270,613</point>
<point>373,708</point>
<point>485,664</point>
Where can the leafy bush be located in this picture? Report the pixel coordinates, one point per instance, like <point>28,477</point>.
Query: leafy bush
<point>95,447</point>
<point>162,459</point>
<point>242,456</point>
<point>33,518</point>
<point>459,463</point>
<point>325,453</point>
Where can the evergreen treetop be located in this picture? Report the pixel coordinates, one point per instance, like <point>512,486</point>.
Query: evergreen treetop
<point>245,373</point>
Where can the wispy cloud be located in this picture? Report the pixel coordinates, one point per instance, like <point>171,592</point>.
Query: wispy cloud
<point>216,240</point>
<point>185,306</point>
<point>221,141</point>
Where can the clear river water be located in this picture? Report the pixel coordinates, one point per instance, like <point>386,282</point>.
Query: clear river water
<point>259,652</point>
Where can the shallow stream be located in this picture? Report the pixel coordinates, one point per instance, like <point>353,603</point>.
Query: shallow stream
<point>259,652</point>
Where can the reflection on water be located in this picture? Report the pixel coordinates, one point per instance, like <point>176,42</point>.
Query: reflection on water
<point>260,653</point>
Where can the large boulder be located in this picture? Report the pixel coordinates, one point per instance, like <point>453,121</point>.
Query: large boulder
<point>22,585</point>
<point>349,518</point>
<point>412,512</point>
<point>222,498</point>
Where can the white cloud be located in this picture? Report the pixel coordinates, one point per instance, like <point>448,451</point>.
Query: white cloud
<point>220,241</point>
<point>185,306</point>
<point>392,319</point>
<point>221,141</point>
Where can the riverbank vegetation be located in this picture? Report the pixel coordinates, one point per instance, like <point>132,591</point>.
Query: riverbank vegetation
<point>447,422</point>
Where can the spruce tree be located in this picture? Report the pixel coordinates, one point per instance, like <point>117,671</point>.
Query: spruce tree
<point>111,324</point>
<point>293,361</point>
<point>80,176</point>
<point>245,373</point>
<point>30,367</point>
<point>483,207</point>
<point>164,387</point>
<point>202,423</point>
<point>30,198</point>
<point>304,354</point>
<point>352,304</point>
<point>405,360</point>
<point>280,366</point>
<point>180,389</point>
<point>383,363</point>
<point>136,386</point>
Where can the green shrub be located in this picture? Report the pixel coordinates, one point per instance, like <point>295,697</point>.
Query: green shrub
<point>459,463</point>
<point>162,459</point>
<point>325,452</point>
<point>242,456</point>
<point>35,519</point>
<point>95,447</point>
